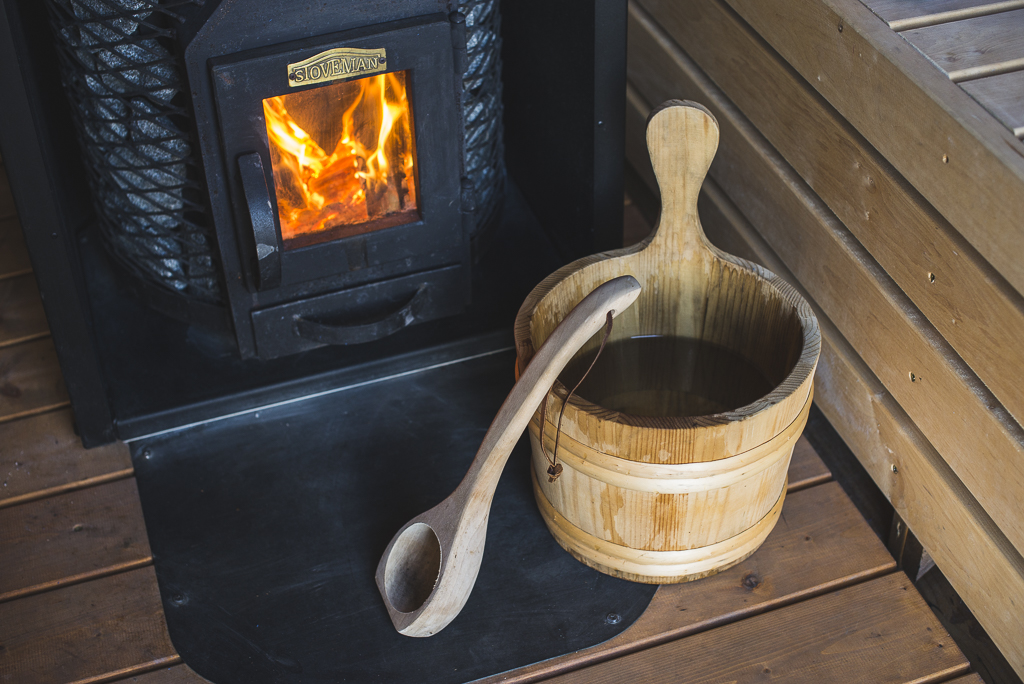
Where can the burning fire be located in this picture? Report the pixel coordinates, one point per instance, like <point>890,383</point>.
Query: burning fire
<point>369,173</point>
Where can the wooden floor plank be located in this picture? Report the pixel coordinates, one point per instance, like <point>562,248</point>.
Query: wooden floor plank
<point>820,543</point>
<point>878,632</point>
<point>41,456</point>
<point>806,468</point>
<point>1003,96</point>
<point>179,674</point>
<point>13,253</point>
<point>30,380</point>
<point>22,318</point>
<point>101,630</point>
<point>969,679</point>
<point>71,537</point>
<point>965,48</point>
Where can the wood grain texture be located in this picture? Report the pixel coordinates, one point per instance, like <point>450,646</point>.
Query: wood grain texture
<point>42,456</point>
<point>22,318</point>
<point>876,632</point>
<point>980,189</point>
<point>30,380</point>
<point>976,557</point>
<point>902,15</point>
<point>106,629</point>
<point>13,253</point>
<point>1003,96</point>
<point>70,538</point>
<point>177,674</point>
<point>969,679</point>
<point>823,545</point>
<point>975,435</point>
<point>973,47</point>
<point>961,295</point>
<point>651,491</point>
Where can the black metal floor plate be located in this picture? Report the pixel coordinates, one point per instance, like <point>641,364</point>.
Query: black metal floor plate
<point>267,528</point>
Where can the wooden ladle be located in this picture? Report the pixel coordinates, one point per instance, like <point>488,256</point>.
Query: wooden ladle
<point>429,568</point>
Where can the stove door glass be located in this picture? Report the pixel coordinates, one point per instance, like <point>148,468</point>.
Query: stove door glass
<point>343,158</point>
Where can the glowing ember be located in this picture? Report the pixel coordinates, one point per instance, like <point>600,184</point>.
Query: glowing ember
<point>369,175</point>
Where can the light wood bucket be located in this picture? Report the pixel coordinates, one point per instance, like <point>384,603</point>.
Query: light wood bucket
<point>671,496</point>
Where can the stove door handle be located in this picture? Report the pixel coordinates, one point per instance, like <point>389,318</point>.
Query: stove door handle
<point>407,315</point>
<point>261,214</point>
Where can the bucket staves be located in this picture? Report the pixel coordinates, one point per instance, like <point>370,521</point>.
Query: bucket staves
<point>662,482</point>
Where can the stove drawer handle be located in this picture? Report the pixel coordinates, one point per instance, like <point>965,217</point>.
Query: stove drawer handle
<point>366,332</point>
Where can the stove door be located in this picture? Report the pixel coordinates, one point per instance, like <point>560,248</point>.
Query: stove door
<point>342,161</point>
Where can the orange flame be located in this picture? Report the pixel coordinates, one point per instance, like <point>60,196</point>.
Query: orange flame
<point>370,174</point>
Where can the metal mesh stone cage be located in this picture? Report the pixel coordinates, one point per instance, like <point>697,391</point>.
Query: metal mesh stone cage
<point>125,85</point>
<point>125,81</point>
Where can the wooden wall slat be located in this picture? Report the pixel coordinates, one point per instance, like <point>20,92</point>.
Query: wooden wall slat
<point>966,301</point>
<point>823,544</point>
<point>975,556</point>
<point>42,456</point>
<point>961,48</point>
<point>21,311</point>
<point>71,537</point>
<point>1003,96</point>
<point>911,113</point>
<point>977,438</point>
<point>30,380</point>
<point>13,254</point>
<point>97,631</point>
<point>878,632</point>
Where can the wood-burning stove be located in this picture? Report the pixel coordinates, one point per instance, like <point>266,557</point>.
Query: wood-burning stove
<point>301,177</point>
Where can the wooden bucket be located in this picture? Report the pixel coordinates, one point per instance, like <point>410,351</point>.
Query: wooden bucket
<point>664,483</point>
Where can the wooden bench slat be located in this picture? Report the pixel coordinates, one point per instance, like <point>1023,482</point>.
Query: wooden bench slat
<point>822,543</point>
<point>13,253</point>
<point>975,556</point>
<point>902,15</point>
<point>30,380</point>
<point>101,630</point>
<point>878,632</point>
<point>22,318</point>
<point>962,48</point>
<point>905,107</point>
<point>42,456</point>
<point>71,537</point>
<point>1003,96</point>
<point>975,436</point>
<point>951,284</point>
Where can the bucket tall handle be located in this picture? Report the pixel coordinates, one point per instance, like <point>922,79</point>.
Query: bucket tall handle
<point>682,138</point>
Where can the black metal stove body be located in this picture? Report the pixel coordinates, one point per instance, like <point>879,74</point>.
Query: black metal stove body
<point>130,369</point>
<point>354,288</point>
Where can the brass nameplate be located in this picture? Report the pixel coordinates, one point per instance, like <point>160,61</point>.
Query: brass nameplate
<point>337,64</point>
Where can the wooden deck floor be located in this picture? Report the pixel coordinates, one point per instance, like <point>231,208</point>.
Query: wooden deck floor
<point>79,602</point>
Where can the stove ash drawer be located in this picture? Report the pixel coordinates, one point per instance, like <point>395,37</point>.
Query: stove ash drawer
<point>360,314</point>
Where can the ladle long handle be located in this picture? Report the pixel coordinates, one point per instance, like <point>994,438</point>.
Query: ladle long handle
<point>682,138</point>
<point>587,318</point>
